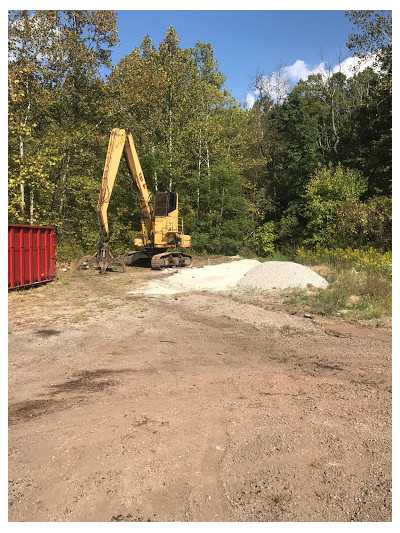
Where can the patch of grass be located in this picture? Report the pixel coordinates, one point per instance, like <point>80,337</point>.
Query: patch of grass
<point>63,281</point>
<point>370,260</point>
<point>269,330</point>
<point>353,294</point>
<point>81,316</point>
<point>105,304</point>
<point>248,291</point>
<point>178,295</point>
<point>289,331</point>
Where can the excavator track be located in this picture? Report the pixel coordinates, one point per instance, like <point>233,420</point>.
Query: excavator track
<point>170,259</point>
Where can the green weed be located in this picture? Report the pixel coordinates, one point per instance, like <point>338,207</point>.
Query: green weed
<point>352,294</point>
<point>370,260</point>
<point>269,330</point>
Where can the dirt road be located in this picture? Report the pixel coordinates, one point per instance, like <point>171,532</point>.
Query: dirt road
<point>193,407</point>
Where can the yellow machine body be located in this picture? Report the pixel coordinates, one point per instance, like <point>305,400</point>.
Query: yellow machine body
<point>162,228</point>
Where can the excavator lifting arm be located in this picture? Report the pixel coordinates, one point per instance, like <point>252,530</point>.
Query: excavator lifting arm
<point>121,141</point>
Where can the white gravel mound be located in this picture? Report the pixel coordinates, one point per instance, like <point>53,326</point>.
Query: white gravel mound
<point>281,275</point>
<point>244,273</point>
<point>213,277</point>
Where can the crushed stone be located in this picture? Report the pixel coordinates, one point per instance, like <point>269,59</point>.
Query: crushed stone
<point>281,275</point>
<point>242,273</point>
<point>213,277</point>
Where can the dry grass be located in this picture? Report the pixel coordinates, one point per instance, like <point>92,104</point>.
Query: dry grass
<point>352,294</point>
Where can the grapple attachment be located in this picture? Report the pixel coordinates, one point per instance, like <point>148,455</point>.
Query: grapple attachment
<point>103,258</point>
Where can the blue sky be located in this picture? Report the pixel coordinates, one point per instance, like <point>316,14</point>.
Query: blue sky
<point>246,41</point>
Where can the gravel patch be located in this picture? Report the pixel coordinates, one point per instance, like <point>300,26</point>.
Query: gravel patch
<point>271,321</point>
<point>243,273</point>
<point>213,277</point>
<point>281,275</point>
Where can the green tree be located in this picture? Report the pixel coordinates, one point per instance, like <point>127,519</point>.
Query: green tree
<point>373,35</point>
<point>264,238</point>
<point>361,224</point>
<point>187,130</point>
<point>328,188</point>
<point>222,228</point>
<point>56,94</point>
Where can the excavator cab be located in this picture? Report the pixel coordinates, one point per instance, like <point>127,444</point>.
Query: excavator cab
<point>165,203</point>
<point>167,225</point>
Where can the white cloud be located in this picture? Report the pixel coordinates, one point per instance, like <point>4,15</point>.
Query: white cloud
<point>249,101</point>
<point>353,65</point>
<point>349,67</point>
<point>276,87</point>
<point>297,71</point>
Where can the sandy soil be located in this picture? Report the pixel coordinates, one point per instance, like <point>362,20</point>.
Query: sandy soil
<point>193,407</point>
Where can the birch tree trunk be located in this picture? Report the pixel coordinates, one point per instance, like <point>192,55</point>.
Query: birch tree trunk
<point>22,157</point>
<point>170,140</point>
<point>207,116</point>
<point>208,167</point>
<point>31,207</point>
<point>155,178</point>
<point>22,185</point>
<point>61,208</point>
<point>199,172</point>
<point>334,128</point>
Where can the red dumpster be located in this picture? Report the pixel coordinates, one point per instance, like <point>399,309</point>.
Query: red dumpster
<point>31,255</point>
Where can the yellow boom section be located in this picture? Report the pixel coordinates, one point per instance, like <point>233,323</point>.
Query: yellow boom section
<point>114,152</point>
<point>139,184</point>
<point>121,141</point>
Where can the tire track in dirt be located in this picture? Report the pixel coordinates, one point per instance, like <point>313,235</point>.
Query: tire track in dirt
<point>259,422</point>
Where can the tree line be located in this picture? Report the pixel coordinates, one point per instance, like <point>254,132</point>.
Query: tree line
<point>310,166</point>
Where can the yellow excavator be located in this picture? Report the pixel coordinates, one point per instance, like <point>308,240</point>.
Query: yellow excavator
<point>162,229</point>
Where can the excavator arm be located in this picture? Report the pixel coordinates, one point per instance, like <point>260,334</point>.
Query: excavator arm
<point>121,142</point>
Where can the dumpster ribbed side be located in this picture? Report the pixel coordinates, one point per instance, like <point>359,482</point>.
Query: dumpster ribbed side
<point>31,255</point>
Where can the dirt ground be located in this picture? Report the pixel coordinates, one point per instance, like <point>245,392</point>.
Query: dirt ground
<point>203,407</point>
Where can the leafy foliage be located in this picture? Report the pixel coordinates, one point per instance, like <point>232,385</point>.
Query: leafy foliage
<point>328,189</point>
<point>374,35</point>
<point>264,238</point>
<point>308,164</point>
<point>369,260</point>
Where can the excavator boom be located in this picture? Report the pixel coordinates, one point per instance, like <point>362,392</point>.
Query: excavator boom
<point>121,141</point>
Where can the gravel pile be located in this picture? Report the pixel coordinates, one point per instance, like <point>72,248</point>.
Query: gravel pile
<point>243,273</point>
<point>213,277</point>
<point>281,275</point>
